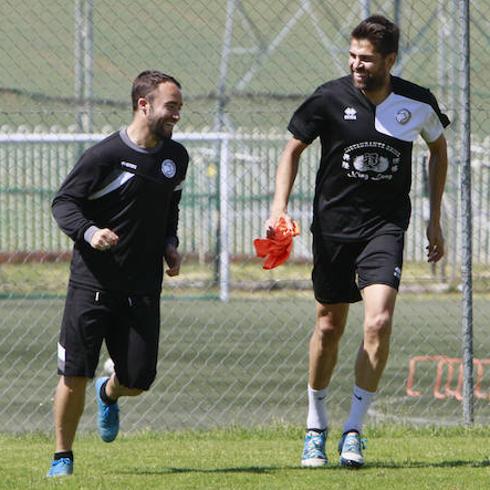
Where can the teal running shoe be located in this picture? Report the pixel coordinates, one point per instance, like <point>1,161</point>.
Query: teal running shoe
<point>314,449</point>
<point>60,467</point>
<point>350,449</point>
<point>108,415</point>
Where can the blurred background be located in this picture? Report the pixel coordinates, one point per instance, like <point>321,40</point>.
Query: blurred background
<point>234,337</point>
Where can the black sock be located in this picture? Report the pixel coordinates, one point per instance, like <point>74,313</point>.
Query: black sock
<point>103,395</point>
<point>63,454</point>
<point>319,431</point>
<point>350,430</point>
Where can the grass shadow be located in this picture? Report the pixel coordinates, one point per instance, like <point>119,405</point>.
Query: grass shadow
<point>458,463</point>
<point>274,469</point>
<point>236,469</point>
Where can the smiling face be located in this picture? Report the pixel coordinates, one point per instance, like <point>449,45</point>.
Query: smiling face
<point>163,109</point>
<point>370,69</point>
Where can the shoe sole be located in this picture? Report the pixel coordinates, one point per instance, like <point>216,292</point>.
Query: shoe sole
<point>313,463</point>
<point>59,475</point>
<point>349,463</point>
<point>107,437</point>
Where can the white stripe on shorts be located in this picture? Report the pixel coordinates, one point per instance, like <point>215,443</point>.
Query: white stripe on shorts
<point>61,358</point>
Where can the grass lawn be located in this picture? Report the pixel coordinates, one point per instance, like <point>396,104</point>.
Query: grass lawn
<point>397,457</point>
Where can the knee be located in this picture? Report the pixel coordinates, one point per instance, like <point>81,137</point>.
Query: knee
<point>378,327</point>
<point>143,382</point>
<point>134,391</point>
<point>327,331</point>
<point>129,390</point>
<point>147,381</point>
<point>136,380</point>
<point>73,383</point>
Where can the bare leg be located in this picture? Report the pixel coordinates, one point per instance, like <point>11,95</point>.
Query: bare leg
<point>69,403</point>
<point>379,305</point>
<point>114,389</point>
<point>329,327</point>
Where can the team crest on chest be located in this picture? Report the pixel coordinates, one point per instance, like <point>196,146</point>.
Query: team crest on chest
<point>350,114</point>
<point>169,168</point>
<point>403,116</point>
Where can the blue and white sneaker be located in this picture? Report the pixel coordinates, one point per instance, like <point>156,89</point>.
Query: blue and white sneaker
<point>350,449</point>
<point>60,467</point>
<point>314,455</point>
<point>108,414</point>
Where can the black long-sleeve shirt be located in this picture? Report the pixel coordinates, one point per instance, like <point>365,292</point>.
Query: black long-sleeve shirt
<point>133,191</point>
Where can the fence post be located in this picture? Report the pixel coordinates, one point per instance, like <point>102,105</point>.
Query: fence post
<point>365,8</point>
<point>466,249</point>
<point>224,251</point>
<point>221,275</point>
<point>83,53</point>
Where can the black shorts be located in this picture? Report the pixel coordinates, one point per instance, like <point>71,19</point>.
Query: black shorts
<point>130,327</point>
<point>336,264</point>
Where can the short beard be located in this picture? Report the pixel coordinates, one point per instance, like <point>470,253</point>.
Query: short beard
<point>157,130</point>
<point>371,84</point>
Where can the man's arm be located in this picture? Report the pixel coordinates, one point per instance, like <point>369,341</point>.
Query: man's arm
<point>67,205</point>
<point>172,256</point>
<point>437,179</point>
<point>285,176</point>
<point>68,202</point>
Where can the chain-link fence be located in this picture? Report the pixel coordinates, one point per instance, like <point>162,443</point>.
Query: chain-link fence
<point>234,337</point>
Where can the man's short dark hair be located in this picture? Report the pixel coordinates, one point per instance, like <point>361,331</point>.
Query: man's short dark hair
<point>146,82</point>
<point>383,34</point>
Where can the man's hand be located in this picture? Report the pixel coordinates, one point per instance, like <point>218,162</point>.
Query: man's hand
<point>437,179</point>
<point>173,259</point>
<point>104,239</point>
<point>272,222</point>
<point>435,249</point>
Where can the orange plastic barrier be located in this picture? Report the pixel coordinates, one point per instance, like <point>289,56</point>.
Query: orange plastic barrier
<point>449,365</point>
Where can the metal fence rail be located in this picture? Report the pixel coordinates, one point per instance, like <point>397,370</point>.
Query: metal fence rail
<point>32,167</point>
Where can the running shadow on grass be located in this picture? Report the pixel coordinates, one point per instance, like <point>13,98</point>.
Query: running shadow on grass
<point>457,463</point>
<point>238,469</point>
<point>273,469</point>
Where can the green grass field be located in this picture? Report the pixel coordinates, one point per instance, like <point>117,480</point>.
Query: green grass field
<point>49,279</point>
<point>396,457</point>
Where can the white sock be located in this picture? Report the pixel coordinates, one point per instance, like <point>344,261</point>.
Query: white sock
<point>361,400</point>
<point>317,409</point>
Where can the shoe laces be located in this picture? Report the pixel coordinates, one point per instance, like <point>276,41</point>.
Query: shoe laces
<point>315,443</point>
<point>62,461</point>
<point>354,443</point>
<point>111,411</point>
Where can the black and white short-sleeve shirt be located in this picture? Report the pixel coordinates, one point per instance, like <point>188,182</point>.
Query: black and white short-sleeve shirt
<point>363,182</point>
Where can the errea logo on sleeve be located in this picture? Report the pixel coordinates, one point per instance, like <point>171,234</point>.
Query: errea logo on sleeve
<point>129,165</point>
<point>350,114</point>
